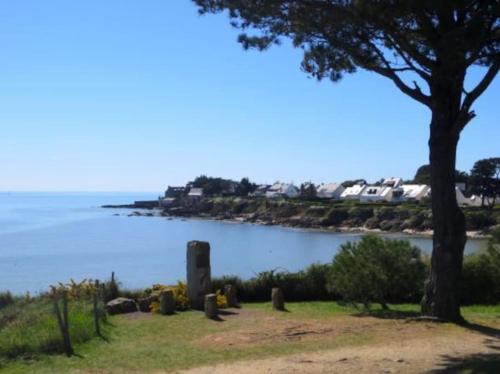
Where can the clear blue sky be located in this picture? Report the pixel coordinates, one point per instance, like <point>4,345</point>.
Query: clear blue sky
<point>123,95</point>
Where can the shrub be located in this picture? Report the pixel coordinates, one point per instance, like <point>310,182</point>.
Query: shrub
<point>5,299</point>
<point>180,296</point>
<point>360,213</point>
<point>378,270</point>
<point>336,216</point>
<point>309,284</point>
<point>481,274</point>
<point>478,220</point>
<point>221,299</point>
<point>385,213</point>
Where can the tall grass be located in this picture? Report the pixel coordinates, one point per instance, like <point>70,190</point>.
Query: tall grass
<point>29,328</point>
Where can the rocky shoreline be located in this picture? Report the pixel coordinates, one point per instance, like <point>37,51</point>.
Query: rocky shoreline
<point>412,220</point>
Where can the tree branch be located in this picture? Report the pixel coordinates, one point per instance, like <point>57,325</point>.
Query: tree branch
<point>481,86</point>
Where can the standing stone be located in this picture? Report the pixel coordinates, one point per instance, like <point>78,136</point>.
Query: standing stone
<point>278,299</point>
<point>167,302</point>
<point>230,293</point>
<point>198,273</point>
<point>211,305</point>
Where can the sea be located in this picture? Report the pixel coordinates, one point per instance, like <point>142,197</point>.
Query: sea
<point>51,237</point>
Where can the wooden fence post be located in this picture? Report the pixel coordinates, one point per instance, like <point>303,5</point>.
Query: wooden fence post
<point>96,309</point>
<point>63,322</point>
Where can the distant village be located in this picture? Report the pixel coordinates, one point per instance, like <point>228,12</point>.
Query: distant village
<point>390,190</point>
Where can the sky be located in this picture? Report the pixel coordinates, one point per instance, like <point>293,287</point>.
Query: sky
<point>123,95</point>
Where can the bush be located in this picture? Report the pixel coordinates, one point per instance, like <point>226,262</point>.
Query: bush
<point>481,274</point>
<point>378,270</point>
<point>360,213</point>
<point>336,216</point>
<point>180,296</point>
<point>5,299</point>
<point>478,220</point>
<point>309,284</point>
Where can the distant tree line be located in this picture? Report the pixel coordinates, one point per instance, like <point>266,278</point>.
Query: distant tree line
<point>483,179</point>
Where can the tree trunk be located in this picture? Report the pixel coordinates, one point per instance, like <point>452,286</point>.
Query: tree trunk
<point>442,289</point>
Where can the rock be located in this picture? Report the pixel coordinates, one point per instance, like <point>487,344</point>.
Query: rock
<point>211,306</point>
<point>121,305</point>
<point>144,304</point>
<point>278,299</point>
<point>198,273</point>
<point>230,293</point>
<point>167,302</point>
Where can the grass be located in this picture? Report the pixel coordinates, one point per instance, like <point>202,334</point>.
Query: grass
<point>146,343</point>
<point>28,329</point>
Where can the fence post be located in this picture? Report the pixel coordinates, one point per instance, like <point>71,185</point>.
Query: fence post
<point>96,308</point>
<point>62,321</point>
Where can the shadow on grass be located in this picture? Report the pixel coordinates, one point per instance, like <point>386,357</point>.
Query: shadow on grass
<point>485,330</point>
<point>480,363</point>
<point>387,314</point>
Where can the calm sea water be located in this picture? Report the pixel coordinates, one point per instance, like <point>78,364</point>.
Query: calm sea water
<point>50,237</point>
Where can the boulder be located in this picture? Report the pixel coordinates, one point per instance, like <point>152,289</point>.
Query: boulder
<point>121,305</point>
<point>144,304</point>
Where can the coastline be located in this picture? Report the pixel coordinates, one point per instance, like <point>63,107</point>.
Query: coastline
<point>159,213</point>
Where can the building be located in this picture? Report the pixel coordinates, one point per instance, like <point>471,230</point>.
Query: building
<point>392,182</point>
<point>175,192</point>
<point>377,193</point>
<point>195,193</point>
<point>330,191</point>
<point>415,192</point>
<point>261,190</point>
<point>279,189</point>
<point>463,200</point>
<point>353,192</point>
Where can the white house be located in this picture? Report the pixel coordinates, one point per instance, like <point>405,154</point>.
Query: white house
<point>415,192</point>
<point>279,189</point>
<point>330,191</point>
<point>462,200</point>
<point>195,193</point>
<point>376,193</point>
<point>353,192</point>
<point>261,190</point>
<point>392,182</point>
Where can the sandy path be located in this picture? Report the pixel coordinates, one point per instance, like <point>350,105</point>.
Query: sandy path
<point>404,356</point>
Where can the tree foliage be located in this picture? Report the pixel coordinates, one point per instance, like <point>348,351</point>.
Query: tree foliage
<point>397,39</point>
<point>423,175</point>
<point>378,270</point>
<point>485,179</point>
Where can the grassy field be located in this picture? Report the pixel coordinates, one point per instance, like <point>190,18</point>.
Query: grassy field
<point>152,343</point>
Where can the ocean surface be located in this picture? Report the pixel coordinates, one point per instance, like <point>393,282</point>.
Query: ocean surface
<point>47,238</point>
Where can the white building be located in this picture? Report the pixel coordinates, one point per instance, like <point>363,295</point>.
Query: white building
<point>330,191</point>
<point>260,191</point>
<point>376,193</point>
<point>353,192</point>
<point>279,189</point>
<point>392,182</point>
<point>462,200</point>
<point>415,192</point>
<point>195,193</point>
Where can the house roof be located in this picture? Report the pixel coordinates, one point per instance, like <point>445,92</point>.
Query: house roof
<point>413,190</point>
<point>329,187</point>
<point>353,190</point>
<point>376,190</point>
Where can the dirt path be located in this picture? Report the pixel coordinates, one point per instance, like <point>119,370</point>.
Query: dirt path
<point>438,354</point>
<point>398,346</point>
